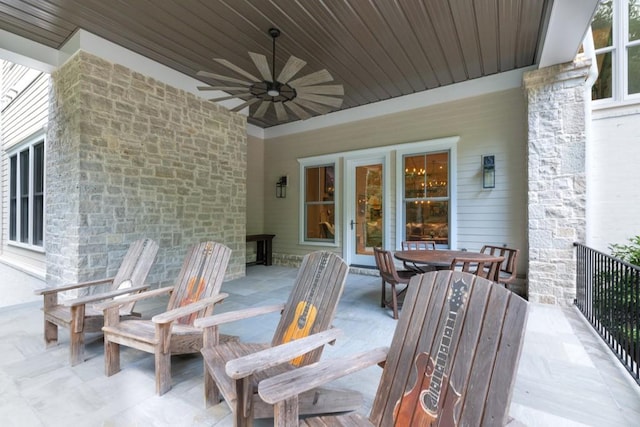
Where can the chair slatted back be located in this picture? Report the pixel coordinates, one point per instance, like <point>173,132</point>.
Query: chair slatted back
<point>313,300</point>
<point>386,266</point>
<point>488,269</point>
<point>135,267</point>
<point>469,332</point>
<point>509,266</point>
<point>201,276</point>
<point>418,245</point>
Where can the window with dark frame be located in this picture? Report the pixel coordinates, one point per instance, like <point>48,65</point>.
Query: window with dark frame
<point>26,195</point>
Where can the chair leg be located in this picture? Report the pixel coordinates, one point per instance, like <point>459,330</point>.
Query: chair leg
<point>76,347</point>
<point>163,372</point>
<point>111,357</point>
<point>211,391</point>
<point>394,297</point>
<point>383,298</point>
<point>50,334</point>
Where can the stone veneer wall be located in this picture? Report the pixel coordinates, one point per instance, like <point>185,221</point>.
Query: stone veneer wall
<point>130,157</point>
<point>556,100</point>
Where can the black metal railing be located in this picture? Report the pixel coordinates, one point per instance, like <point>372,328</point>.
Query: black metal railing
<point>608,295</point>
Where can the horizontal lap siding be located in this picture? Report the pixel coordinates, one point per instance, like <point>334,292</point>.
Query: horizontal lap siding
<point>489,124</point>
<point>27,114</point>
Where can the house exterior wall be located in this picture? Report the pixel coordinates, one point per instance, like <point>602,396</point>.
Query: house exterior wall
<point>488,124</point>
<point>614,193</point>
<point>22,117</point>
<point>131,157</point>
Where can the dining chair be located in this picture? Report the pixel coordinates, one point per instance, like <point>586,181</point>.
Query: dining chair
<point>418,245</point>
<point>488,269</point>
<point>395,278</point>
<point>507,273</point>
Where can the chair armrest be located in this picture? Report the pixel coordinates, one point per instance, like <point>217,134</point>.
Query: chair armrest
<point>177,313</point>
<point>274,356</point>
<point>131,298</point>
<point>106,295</point>
<point>289,384</point>
<point>68,287</point>
<point>232,316</point>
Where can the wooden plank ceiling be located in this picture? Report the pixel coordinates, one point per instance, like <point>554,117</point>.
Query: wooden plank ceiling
<point>376,49</point>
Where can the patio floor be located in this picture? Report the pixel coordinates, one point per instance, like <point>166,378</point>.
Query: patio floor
<point>566,377</point>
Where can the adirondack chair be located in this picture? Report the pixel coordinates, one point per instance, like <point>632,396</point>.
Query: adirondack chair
<point>309,311</point>
<point>452,360</point>
<point>172,332</point>
<point>79,315</point>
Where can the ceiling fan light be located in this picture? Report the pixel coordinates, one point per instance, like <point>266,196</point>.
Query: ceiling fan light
<point>273,92</point>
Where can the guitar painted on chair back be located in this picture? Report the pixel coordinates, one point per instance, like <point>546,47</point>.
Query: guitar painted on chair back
<point>424,404</point>
<point>306,312</point>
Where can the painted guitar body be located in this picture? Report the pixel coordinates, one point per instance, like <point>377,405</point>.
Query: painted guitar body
<point>300,327</point>
<point>417,408</point>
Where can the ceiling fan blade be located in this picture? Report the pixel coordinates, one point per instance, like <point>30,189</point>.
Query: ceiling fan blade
<point>224,98</point>
<point>237,69</point>
<point>222,87</point>
<point>262,65</point>
<point>318,77</point>
<point>322,90</point>
<point>290,69</point>
<point>259,113</point>
<point>245,104</point>
<point>223,78</point>
<point>321,99</point>
<point>320,109</point>
<point>281,113</point>
<point>297,110</point>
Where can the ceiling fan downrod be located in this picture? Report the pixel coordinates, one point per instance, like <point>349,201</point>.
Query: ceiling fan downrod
<point>273,89</point>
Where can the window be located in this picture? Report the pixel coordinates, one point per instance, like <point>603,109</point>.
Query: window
<point>616,36</point>
<point>319,203</point>
<point>26,194</point>
<point>426,197</point>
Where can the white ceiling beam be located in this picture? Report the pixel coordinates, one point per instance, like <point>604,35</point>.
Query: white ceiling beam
<point>567,27</point>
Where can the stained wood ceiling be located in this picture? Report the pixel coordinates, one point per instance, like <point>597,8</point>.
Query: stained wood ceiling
<point>377,49</point>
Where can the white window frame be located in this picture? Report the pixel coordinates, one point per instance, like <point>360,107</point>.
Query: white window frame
<point>619,58</point>
<point>426,147</point>
<point>312,162</point>
<point>29,145</point>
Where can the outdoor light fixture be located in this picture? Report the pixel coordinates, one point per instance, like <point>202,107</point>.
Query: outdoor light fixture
<point>489,171</point>
<point>281,187</point>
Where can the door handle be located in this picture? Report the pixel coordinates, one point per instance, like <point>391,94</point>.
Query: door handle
<point>353,223</point>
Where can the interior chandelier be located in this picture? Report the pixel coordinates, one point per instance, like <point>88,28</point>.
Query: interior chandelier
<point>300,96</point>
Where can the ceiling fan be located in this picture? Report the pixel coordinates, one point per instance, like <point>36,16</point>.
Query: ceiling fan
<point>298,95</point>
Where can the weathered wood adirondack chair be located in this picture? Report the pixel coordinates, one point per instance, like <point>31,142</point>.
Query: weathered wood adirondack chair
<point>78,314</point>
<point>309,311</point>
<point>172,332</point>
<point>453,360</point>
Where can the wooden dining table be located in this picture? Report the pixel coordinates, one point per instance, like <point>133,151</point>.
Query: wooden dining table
<point>441,258</point>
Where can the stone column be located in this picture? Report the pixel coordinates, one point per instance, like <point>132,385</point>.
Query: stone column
<point>130,157</point>
<point>556,100</point>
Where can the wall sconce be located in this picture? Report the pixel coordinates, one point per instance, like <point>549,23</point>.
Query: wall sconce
<point>281,187</point>
<point>489,171</point>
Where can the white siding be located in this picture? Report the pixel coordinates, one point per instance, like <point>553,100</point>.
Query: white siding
<point>490,124</point>
<point>25,115</point>
<point>613,179</point>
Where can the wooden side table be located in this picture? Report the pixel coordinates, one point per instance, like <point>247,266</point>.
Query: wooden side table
<point>264,254</point>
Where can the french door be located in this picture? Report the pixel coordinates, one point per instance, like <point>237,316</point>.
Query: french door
<point>365,224</point>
